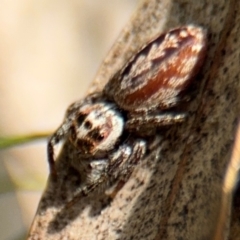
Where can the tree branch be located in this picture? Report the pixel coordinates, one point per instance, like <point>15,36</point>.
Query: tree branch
<point>176,192</point>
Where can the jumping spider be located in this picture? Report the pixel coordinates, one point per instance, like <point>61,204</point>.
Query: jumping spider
<point>108,128</point>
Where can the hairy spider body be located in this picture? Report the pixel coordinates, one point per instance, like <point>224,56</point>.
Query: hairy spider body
<point>107,129</point>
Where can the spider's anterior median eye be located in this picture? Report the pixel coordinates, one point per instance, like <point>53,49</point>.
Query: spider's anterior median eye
<point>88,125</point>
<point>81,117</point>
<point>96,135</point>
<point>99,137</point>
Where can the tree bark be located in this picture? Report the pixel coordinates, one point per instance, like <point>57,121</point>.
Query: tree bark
<point>177,191</point>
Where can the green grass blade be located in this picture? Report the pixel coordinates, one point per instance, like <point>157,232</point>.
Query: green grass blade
<point>12,141</point>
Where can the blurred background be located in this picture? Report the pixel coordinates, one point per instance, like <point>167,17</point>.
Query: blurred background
<point>49,54</point>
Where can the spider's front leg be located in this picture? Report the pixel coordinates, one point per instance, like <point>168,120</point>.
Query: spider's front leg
<point>119,165</point>
<point>59,135</point>
<point>149,122</point>
<point>123,169</point>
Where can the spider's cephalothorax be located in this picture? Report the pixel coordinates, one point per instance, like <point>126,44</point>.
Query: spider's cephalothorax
<point>96,128</point>
<point>107,129</point>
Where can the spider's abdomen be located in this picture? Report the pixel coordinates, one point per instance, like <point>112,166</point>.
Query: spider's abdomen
<point>160,71</point>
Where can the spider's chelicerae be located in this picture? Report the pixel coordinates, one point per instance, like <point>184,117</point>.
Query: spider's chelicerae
<point>108,128</point>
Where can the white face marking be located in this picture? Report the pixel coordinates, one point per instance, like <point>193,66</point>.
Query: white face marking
<point>101,127</point>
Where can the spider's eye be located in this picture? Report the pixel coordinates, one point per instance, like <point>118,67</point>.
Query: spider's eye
<point>80,118</point>
<point>97,136</point>
<point>88,125</point>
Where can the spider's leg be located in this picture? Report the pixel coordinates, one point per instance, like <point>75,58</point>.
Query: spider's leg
<point>154,120</point>
<point>125,171</point>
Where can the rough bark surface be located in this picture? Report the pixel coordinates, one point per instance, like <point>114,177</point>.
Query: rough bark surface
<point>176,192</point>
